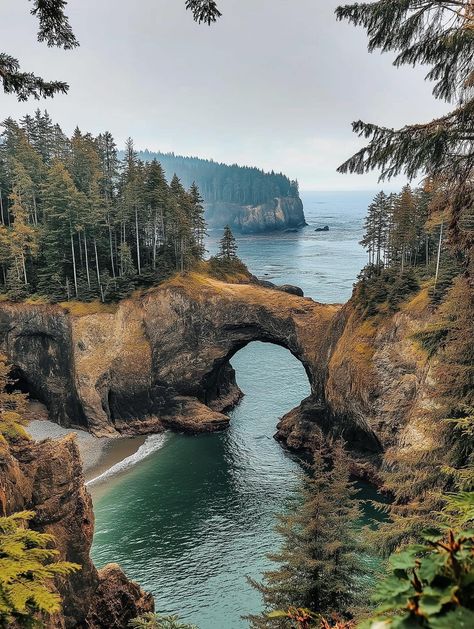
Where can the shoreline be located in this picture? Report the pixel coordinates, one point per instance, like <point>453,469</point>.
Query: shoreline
<point>99,455</point>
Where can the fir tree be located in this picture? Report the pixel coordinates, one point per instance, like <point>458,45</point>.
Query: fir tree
<point>440,35</point>
<point>228,246</point>
<point>27,566</point>
<point>318,563</point>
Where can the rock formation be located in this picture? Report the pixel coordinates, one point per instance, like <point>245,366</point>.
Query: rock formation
<point>46,478</point>
<point>160,359</point>
<point>277,215</point>
<point>378,378</point>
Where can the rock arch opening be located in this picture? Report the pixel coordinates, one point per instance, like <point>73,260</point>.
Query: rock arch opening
<point>262,362</point>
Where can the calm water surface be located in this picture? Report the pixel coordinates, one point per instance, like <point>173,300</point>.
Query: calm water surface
<point>193,519</point>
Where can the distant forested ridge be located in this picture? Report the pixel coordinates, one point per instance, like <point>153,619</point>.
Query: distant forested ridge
<point>243,185</point>
<point>247,198</point>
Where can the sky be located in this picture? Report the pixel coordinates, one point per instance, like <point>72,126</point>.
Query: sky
<point>274,84</point>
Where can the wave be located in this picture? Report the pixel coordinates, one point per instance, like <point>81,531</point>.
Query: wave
<point>152,444</point>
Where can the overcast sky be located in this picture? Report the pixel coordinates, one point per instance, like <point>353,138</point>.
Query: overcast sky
<point>275,83</point>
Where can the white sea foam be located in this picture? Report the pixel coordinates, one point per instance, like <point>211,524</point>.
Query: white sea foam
<point>152,444</point>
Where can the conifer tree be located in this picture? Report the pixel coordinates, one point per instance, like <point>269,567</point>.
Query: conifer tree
<point>228,245</point>
<point>439,35</point>
<point>27,566</point>
<point>91,214</point>
<point>198,220</point>
<point>58,245</point>
<point>318,563</point>
<point>23,238</point>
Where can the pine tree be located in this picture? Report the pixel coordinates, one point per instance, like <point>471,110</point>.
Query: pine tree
<point>198,220</point>
<point>318,563</point>
<point>23,237</point>
<point>58,246</point>
<point>228,246</point>
<point>437,34</point>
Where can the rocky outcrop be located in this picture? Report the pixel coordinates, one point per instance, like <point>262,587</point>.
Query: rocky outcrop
<point>161,359</point>
<point>379,385</point>
<point>46,477</point>
<point>277,215</point>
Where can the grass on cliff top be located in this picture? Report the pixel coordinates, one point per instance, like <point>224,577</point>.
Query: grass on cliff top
<point>84,308</point>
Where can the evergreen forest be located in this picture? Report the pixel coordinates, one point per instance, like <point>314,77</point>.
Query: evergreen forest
<point>242,185</point>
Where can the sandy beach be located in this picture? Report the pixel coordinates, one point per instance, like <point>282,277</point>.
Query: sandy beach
<point>98,454</point>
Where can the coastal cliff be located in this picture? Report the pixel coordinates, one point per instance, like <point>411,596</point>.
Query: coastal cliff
<point>277,215</point>
<point>379,378</point>
<point>46,477</point>
<point>161,360</point>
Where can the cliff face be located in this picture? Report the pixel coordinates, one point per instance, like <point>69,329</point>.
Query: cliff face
<point>277,215</point>
<point>47,478</point>
<point>162,359</point>
<point>379,379</point>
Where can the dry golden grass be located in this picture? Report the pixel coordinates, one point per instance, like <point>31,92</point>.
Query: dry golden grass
<point>417,304</point>
<point>83,309</point>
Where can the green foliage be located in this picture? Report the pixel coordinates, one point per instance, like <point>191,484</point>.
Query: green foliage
<point>27,567</point>
<point>12,407</point>
<point>429,585</point>
<point>227,246</point>
<point>431,339</point>
<point>76,223</point>
<point>318,564</point>
<point>441,36</point>
<point>221,268</point>
<point>157,621</point>
<point>378,285</point>
<point>242,185</point>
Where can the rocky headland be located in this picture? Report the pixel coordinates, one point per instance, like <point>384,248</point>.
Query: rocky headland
<point>160,360</point>
<point>277,215</point>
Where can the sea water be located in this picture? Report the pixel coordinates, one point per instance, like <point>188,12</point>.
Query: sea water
<point>195,516</point>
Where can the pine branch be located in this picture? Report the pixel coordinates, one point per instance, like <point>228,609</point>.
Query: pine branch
<point>429,149</point>
<point>204,10</point>
<point>54,27</point>
<point>432,32</point>
<point>26,84</point>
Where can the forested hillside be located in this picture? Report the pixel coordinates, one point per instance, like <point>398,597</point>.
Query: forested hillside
<point>76,222</point>
<point>242,185</point>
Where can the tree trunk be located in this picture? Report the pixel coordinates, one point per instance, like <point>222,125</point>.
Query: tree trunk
<point>87,260</point>
<point>439,255</point>
<point>97,269</point>
<point>138,240</point>
<point>155,240</point>
<point>111,252</point>
<point>36,210</point>
<point>73,261</point>
<point>24,267</point>
<point>80,248</point>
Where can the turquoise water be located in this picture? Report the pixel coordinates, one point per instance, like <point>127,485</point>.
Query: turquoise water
<point>193,519</point>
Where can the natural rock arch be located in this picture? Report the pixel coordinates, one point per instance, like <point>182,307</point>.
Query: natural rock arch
<point>162,359</point>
